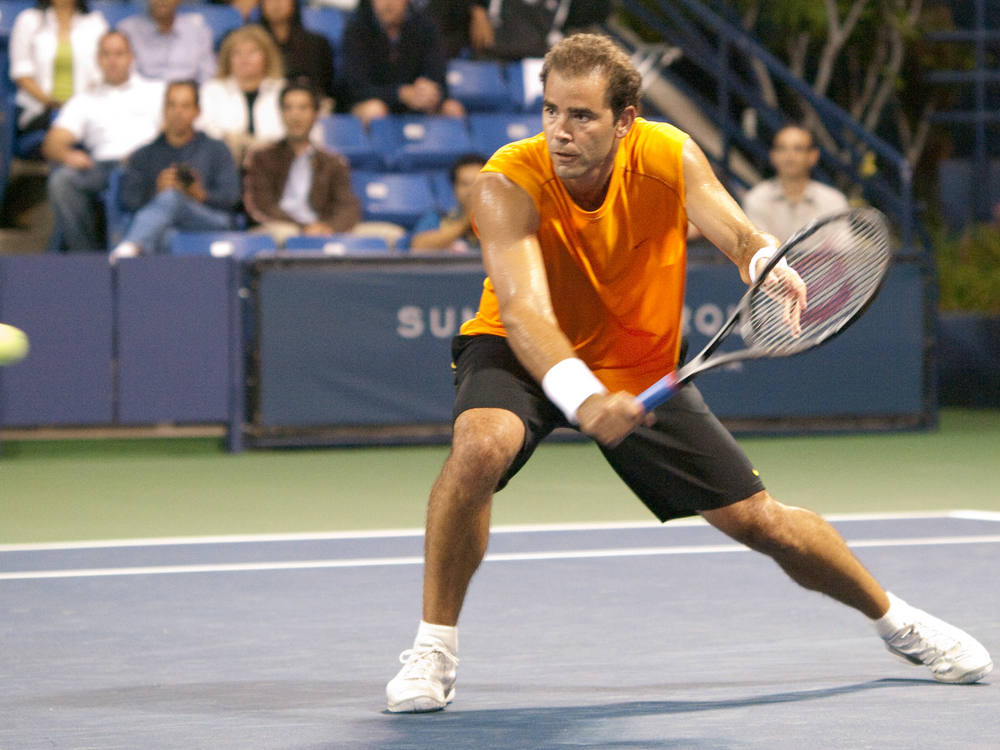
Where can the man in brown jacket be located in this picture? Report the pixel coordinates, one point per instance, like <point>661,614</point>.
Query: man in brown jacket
<point>292,187</point>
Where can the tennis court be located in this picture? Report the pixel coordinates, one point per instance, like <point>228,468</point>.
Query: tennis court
<point>594,632</point>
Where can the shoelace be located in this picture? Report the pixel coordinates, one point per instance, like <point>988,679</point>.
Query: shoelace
<point>938,644</point>
<point>420,661</point>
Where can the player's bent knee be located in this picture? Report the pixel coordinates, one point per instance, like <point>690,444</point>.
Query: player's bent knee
<point>487,440</point>
<point>759,522</point>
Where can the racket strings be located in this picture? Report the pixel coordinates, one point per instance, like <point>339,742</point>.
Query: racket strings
<point>842,265</point>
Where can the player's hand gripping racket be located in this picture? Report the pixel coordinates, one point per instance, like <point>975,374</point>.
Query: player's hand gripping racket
<point>842,259</point>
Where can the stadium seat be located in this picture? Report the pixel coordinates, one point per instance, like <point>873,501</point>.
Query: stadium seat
<point>345,135</point>
<point>523,85</point>
<point>326,21</point>
<point>478,84</point>
<point>8,13</point>
<point>115,11</point>
<point>491,131</point>
<point>220,18</point>
<point>444,193</point>
<point>336,245</point>
<point>396,198</point>
<point>240,245</point>
<point>415,142</point>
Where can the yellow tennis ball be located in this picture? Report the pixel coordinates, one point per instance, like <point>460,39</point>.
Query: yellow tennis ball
<point>13,345</point>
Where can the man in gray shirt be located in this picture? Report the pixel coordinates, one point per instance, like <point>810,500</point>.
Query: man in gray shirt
<point>790,200</point>
<point>168,46</point>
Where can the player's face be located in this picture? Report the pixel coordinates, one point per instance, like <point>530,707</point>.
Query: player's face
<point>299,114</point>
<point>580,130</point>
<point>793,154</point>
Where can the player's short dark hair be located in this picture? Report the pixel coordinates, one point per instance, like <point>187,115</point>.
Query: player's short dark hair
<point>581,54</point>
<point>189,83</point>
<point>303,84</point>
<point>465,160</point>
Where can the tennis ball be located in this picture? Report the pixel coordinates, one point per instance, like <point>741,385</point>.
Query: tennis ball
<point>13,345</point>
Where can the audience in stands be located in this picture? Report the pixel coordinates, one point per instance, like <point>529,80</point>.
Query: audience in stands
<point>169,46</point>
<point>53,56</point>
<point>240,105</point>
<point>304,53</point>
<point>465,25</point>
<point>110,121</point>
<point>790,200</point>
<point>249,9</point>
<point>452,231</point>
<point>394,63</point>
<point>183,180</point>
<point>293,187</point>
<point>526,28</point>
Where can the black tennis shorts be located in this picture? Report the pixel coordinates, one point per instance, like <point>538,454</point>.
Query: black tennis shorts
<point>686,462</point>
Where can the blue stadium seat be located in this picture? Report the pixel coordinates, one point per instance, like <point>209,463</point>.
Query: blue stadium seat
<point>240,245</point>
<point>415,142</point>
<point>491,131</point>
<point>345,135</point>
<point>397,198</point>
<point>336,245</point>
<point>478,84</point>
<point>444,193</point>
<point>326,21</point>
<point>8,13</point>
<point>523,86</point>
<point>115,11</point>
<point>220,18</point>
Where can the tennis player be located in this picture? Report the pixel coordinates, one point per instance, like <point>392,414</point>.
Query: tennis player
<point>583,237</point>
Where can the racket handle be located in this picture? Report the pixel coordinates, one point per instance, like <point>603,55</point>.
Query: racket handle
<point>659,392</point>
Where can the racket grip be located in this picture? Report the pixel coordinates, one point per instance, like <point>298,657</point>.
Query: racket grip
<point>659,392</point>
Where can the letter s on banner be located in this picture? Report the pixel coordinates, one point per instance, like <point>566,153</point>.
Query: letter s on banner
<point>411,322</point>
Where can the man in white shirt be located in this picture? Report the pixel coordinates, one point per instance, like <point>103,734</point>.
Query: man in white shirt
<point>170,46</point>
<point>94,132</point>
<point>790,200</point>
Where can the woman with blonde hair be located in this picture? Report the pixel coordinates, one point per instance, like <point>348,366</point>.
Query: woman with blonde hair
<point>240,105</point>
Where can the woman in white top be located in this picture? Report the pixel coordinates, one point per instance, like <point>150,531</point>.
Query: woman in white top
<point>241,105</point>
<point>53,54</point>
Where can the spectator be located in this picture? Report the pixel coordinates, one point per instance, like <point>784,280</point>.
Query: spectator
<point>303,53</point>
<point>790,200</point>
<point>170,46</point>
<point>110,122</point>
<point>183,180</point>
<point>526,28</point>
<point>53,55</point>
<point>453,231</point>
<point>293,187</point>
<point>240,105</point>
<point>394,63</point>
<point>465,25</point>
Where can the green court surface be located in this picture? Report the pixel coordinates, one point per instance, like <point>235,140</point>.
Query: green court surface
<point>109,489</point>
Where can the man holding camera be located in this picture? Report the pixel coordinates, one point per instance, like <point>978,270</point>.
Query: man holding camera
<point>183,180</point>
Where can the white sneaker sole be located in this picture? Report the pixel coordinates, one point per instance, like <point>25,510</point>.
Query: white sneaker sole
<point>963,678</point>
<point>421,704</point>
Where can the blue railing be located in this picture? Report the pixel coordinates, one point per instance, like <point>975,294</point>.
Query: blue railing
<point>725,53</point>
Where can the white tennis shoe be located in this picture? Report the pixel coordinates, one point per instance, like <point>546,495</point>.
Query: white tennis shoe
<point>427,680</point>
<point>951,654</point>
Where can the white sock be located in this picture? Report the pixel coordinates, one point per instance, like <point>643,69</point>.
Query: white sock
<point>447,634</point>
<point>896,618</point>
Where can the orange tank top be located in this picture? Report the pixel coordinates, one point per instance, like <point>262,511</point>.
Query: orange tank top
<point>615,275</point>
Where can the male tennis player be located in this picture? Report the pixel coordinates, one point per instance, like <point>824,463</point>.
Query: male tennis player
<point>583,236</point>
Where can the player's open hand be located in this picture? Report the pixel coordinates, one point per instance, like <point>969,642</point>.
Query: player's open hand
<point>610,417</point>
<point>784,285</point>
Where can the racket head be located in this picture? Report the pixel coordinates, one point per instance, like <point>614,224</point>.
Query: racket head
<point>843,260</point>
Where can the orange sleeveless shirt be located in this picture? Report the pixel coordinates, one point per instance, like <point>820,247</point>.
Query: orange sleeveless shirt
<point>615,275</point>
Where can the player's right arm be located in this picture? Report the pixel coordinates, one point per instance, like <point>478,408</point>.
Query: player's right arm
<point>507,221</point>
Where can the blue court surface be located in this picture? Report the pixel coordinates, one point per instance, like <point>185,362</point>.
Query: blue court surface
<point>622,636</point>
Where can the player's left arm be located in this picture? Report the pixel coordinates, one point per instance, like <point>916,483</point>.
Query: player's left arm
<point>716,213</point>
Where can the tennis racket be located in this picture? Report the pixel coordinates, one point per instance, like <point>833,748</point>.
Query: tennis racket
<point>842,258</point>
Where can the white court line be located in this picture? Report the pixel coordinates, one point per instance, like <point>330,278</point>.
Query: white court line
<point>498,557</point>
<point>400,533</point>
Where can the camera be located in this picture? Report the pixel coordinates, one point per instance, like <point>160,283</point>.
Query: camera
<point>185,176</point>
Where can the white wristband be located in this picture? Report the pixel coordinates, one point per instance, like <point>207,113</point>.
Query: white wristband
<point>568,384</point>
<point>764,254</point>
